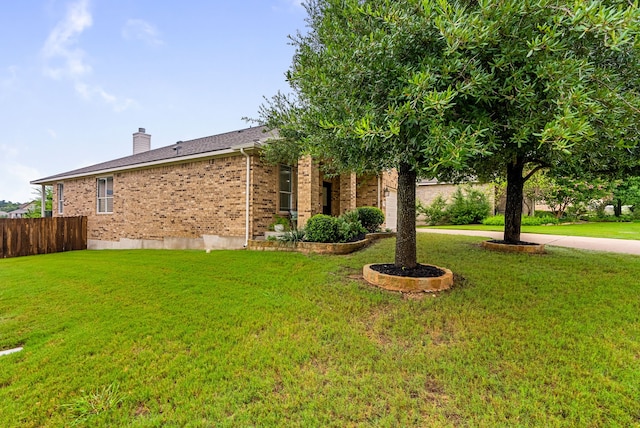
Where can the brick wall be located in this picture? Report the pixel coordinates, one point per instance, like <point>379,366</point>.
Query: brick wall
<point>183,200</point>
<point>265,194</point>
<point>367,191</point>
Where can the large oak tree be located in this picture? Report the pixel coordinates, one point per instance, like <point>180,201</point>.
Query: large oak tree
<point>454,89</point>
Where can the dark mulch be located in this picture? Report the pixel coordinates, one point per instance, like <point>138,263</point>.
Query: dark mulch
<point>500,241</point>
<point>420,271</point>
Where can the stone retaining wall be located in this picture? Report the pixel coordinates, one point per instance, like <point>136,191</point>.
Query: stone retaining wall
<point>318,247</point>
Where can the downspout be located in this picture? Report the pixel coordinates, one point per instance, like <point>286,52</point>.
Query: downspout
<point>246,220</point>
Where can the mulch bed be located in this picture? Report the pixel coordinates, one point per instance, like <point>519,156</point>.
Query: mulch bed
<point>420,271</point>
<point>500,241</point>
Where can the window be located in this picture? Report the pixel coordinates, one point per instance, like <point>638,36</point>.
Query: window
<point>105,195</point>
<point>60,198</point>
<point>286,188</point>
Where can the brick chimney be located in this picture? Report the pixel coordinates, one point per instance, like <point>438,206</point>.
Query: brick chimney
<point>141,141</point>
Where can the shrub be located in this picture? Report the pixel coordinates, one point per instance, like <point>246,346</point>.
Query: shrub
<point>349,226</point>
<point>348,231</point>
<point>435,213</point>
<point>538,221</point>
<point>498,220</point>
<point>468,208</point>
<point>293,236</point>
<point>371,218</point>
<point>322,228</point>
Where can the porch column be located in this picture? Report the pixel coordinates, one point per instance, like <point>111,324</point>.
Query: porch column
<point>309,202</point>
<point>348,197</point>
<point>43,201</point>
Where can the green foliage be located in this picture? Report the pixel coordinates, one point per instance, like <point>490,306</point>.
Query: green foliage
<point>36,212</point>
<point>322,228</point>
<point>8,206</point>
<point>293,236</point>
<point>498,220</point>
<point>93,403</point>
<point>285,222</point>
<point>434,213</point>
<point>574,197</point>
<point>458,89</point>
<point>371,218</point>
<point>469,207</point>
<point>348,231</point>
<point>626,192</point>
<point>495,220</point>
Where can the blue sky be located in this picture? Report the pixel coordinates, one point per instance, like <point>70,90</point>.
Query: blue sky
<point>78,77</point>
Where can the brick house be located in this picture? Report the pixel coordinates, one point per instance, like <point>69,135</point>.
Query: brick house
<point>211,192</point>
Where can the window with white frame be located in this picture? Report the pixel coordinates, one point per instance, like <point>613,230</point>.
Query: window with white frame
<point>286,188</point>
<point>60,198</point>
<point>105,195</point>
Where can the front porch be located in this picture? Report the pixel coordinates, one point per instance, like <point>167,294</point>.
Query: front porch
<point>321,194</point>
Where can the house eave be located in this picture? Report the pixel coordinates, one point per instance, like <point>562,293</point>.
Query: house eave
<point>169,161</point>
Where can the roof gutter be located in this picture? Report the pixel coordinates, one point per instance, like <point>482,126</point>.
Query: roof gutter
<point>180,159</point>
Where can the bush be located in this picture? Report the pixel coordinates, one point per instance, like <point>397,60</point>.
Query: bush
<point>349,231</point>
<point>435,213</point>
<point>498,220</point>
<point>293,236</point>
<point>371,218</point>
<point>350,227</point>
<point>468,208</point>
<point>322,228</point>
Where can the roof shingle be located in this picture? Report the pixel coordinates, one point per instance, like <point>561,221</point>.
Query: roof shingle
<point>199,146</point>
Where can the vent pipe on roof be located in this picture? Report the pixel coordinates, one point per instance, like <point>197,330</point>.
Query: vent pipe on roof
<point>141,141</point>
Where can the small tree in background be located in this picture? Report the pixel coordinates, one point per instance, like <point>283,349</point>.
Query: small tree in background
<point>626,192</point>
<point>563,193</point>
<point>36,212</point>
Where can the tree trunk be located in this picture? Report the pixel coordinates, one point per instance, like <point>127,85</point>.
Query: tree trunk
<point>513,208</point>
<point>617,208</point>
<point>406,228</point>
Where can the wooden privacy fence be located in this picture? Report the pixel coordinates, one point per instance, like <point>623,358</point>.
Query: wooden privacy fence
<point>31,236</point>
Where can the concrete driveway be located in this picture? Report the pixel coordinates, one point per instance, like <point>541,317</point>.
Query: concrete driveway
<point>625,246</point>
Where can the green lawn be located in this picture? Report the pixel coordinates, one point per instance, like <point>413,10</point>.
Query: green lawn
<point>238,338</point>
<point>622,230</point>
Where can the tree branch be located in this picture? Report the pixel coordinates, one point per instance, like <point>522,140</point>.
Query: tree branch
<point>533,171</point>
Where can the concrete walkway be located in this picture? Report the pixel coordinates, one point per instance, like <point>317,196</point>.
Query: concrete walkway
<point>624,246</point>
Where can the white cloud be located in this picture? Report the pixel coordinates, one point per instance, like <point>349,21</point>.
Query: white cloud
<point>62,56</point>
<point>15,177</point>
<point>90,92</point>
<point>64,59</point>
<point>138,29</point>
<point>52,133</point>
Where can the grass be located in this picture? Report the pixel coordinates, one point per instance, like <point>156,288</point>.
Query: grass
<point>621,230</point>
<point>239,338</point>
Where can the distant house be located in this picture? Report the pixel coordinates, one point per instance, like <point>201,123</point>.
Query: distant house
<point>22,211</point>
<point>211,192</point>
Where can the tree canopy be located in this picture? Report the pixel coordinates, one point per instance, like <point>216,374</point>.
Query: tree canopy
<point>454,89</point>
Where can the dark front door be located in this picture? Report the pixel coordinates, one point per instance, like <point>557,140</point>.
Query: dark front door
<point>326,198</point>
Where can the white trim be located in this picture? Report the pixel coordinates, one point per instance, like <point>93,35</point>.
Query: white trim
<point>106,197</point>
<point>170,161</point>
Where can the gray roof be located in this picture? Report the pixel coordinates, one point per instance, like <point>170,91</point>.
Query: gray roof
<point>200,147</point>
